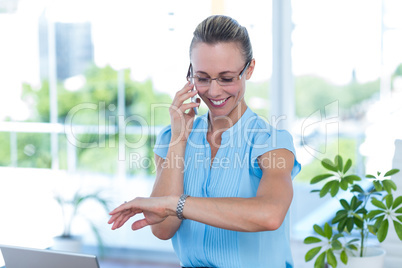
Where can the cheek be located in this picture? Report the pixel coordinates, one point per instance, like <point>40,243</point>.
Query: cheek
<point>239,92</point>
<point>202,91</point>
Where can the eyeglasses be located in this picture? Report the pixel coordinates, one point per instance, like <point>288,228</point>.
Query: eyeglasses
<point>201,81</point>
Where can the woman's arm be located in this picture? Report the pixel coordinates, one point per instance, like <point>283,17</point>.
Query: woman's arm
<point>169,173</point>
<point>169,182</point>
<point>264,212</point>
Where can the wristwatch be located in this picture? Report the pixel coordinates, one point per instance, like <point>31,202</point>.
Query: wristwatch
<point>180,206</point>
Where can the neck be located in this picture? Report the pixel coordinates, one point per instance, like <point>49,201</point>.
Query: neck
<point>222,123</point>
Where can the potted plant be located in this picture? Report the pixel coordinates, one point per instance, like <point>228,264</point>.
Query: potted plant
<point>368,213</point>
<point>70,208</point>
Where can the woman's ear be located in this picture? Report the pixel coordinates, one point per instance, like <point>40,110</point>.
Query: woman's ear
<point>250,69</point>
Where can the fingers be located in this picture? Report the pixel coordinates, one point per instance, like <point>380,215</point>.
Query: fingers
<point>120,219</point>
<point>122,214</point>
<point>117,210</point>
<point>182,108</point>
<point>191,113</point>
<point>139,224</point>
<point>189,105</point>
<point>184,94</point>
<point>119,222</point>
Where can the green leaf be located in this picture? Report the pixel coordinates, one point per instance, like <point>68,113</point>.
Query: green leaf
<point>342,224</point>
<point>353,203</point>
<point>347,166</point>
<point>361,210</point>
<point>326,163</point>
<point>383,231</point>
<point>352,247</point>
<point>397,202</point>
<point>357,188</point>
<point>325,189</point>
<point>344,257</point>
<point>340,215</point>
<point>336,245</point>
<point>311,253</point>
<point>335,188</point>
<point>399,218</point>
<point>374,213</point>
<point>357,216</point>
<point>327,231</point>
<point>349,224</point>
<point>331,258</point>
<point>358,222</point>
<point>377,186</point>
<point>389,199</point>
<point>389,185</point>
<point>339,162</point>
<point>378,203</point>
<point>378,221</point>
<point>311,240</point>
<point>372,229</point>
<point>337,236</point>
<point>319,178</point>
<point>344,184</point>
<point>318,230</point>
<point>398,229</point>
<point>344,204</point>
<point>320,261</point>
<point>371,176</point>
<point>399,210</point>
<point>353,241</point>
<point>351,178</point>
<point>391,172</point>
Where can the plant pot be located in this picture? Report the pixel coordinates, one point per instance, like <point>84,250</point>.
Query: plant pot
<point>71,244</point>
<point>374,258</point>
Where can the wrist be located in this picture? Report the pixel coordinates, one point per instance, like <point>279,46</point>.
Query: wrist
<point>172,205</point>
<point>177,147</point>
<point>177,141</point>
<point>180,206</point>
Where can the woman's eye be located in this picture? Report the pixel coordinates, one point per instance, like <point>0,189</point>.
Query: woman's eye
<point>202,79</point>
<point>226,79</point>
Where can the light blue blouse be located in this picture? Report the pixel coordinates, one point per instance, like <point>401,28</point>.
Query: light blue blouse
<point>233,173</point>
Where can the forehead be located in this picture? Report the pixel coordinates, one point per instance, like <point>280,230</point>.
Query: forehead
<point>216,58</point>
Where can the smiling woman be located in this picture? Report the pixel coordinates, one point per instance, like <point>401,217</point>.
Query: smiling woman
<point>219,213</point>
<point>225,95</point>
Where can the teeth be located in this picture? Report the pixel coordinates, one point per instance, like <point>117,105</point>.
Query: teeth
<point>218,102</point>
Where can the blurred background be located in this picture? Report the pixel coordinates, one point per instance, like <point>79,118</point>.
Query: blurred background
<point>85,88</point>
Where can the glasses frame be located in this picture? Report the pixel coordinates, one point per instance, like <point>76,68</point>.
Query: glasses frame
<point>190,69</point>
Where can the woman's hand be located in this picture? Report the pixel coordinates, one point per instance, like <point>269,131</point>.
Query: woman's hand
<point>182,121</point>
<point>154,209</point>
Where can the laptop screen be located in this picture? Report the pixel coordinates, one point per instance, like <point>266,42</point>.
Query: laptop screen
<point>17,257</point>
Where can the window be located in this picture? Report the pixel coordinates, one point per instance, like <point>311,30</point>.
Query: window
<point>343,69</point>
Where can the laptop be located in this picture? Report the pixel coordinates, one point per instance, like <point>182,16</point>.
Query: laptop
<point>20,257</point>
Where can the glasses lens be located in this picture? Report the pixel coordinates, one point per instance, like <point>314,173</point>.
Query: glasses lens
<point>201,81</point>
<point>226,81</point>
<point>206,81</point>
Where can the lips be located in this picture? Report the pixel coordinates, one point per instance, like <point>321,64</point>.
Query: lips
<point>218,103</point>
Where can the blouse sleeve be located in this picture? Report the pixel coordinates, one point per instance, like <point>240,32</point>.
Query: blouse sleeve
<point>265,142</point>
<point>162,142</point>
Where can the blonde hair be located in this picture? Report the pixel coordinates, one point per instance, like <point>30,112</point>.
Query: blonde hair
<point>218,28</point>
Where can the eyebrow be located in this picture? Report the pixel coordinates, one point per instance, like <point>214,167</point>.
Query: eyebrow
<point>221,73</point>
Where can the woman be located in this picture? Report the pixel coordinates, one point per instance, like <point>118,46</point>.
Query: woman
<point>224,180</point>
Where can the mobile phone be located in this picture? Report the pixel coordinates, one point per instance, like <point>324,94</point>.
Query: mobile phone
<point>193,99</point>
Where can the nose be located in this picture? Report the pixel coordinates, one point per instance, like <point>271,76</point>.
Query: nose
<point>214,88</point>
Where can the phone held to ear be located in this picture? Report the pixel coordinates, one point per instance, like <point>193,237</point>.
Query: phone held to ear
<point>194,99</point>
